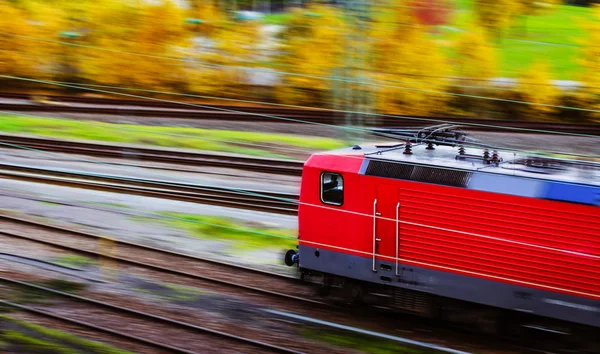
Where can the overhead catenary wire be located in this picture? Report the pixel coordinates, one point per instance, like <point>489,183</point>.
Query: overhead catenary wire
<point>493,84</point>
<point>306,122</point>
<point>236,190</point>
<point>419,119</point>
<point>478,235</point>
<point>358,213</point>
<point>108,125</point>
<point>467,143</point>
<point>348,211</point>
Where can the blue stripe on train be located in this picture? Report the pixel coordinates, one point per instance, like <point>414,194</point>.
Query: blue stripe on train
<point>491,182</point>
<point>575,193</point>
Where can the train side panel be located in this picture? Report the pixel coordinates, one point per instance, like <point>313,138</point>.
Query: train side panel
<point>510,251</point>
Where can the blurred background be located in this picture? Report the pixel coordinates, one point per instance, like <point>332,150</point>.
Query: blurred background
<point>151,154</point>
<point>412,57</point>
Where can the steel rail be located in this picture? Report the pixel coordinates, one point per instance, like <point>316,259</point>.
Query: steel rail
<point>68,230</point>
<point>167,270</point>
<point>140,108</point>
<point>172,156</point>
<point>95,237</point>
<point>147,342</point>
<point>154,318</point>
<point>265,201</point>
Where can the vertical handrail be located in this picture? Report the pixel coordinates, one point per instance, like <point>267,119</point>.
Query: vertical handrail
<point>397,235</point>
<point>374,232</point>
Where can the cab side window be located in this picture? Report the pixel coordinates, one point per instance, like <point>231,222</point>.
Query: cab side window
<point>332,188</point>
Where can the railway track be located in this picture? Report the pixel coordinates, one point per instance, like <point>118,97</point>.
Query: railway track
<point>139,319</point>
<point>194,329</point>
<point>265,201</point>
<point>140,108</point>
<point>154,260</point>
<point>289,297</point>
<point>161,260</point>
<point>171,156</point>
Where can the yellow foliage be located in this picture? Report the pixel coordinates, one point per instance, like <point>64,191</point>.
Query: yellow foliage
<point>590,61</point>
<point>48,21</point>
<point>313,45</point>
<point>17,54</point>
<point>155,30</point>
<point>475,64</point>
<point>220,69</point>
<point>535,86</point>
<point>475,55</point>
<point>410,68</point>
<point>208,13</point>
<point>495,15</point>
<point>535,7</point>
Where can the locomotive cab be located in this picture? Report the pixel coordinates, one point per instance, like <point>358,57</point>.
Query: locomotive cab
<point>416,223</point>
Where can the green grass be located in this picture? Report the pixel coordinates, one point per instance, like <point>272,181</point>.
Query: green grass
<point>34,345</point>
<point>195,138</point>
<point>109,205</point>
<point>243,235</point>
<point>54,341</point>
<point>277,19</point>
<point>364,344</point>
<point>173,292</point>
<point>554,37</point>
<point>50,203</point>
<point>74,260</point>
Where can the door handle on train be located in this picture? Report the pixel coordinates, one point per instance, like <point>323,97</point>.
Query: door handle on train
<point>377,214</point>
<point>378,239</point>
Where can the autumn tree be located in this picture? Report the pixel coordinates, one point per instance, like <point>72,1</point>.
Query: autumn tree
<point>410,71</point>
<point>17,53</point>
<point>495,15</point>
<point>48,22</point>
<point>313,49</point>
<point>475,65</point>
<point>535,87</point>
<point>526,8</point>
<point>141,45</point>
<point>475,55</point>
<point>589,95</point>
<point>62,31</point>
<point>204,17</point>
<point>220,68</point>
<point>432,12</point>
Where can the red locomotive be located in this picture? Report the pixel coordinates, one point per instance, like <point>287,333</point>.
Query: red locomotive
<point>436,221</point>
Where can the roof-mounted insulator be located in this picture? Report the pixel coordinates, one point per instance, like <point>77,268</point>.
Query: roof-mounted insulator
<point>407,148</point>
<point>495,158</point>
<point>461,150</point>
<point>356,147</point>
<point>486,156</point>
<point>430,146</point>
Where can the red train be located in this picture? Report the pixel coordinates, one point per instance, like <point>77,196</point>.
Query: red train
<point>422,225</point>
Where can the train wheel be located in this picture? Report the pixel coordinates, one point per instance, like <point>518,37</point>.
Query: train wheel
<point>325,287</point>
<point>354,292</point>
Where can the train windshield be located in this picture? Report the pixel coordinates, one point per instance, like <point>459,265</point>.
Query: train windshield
<point>332,188</point>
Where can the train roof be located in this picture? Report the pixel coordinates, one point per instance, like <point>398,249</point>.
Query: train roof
<point>512,163</point>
